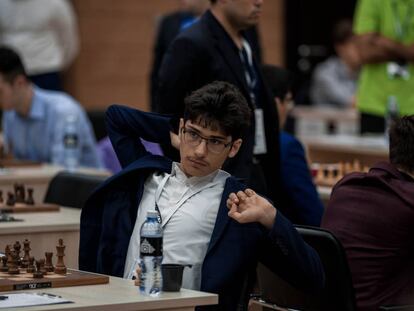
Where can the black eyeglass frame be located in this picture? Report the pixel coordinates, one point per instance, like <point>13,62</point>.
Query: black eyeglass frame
<point>201,138</point>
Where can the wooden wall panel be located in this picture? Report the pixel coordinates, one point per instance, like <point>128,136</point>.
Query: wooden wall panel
<point>116,48</point>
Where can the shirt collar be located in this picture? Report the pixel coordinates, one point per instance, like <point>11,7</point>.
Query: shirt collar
<point>194,180</point>
<point>37,108</point>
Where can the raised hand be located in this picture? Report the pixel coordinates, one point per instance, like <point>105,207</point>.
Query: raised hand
<point>247,206</point>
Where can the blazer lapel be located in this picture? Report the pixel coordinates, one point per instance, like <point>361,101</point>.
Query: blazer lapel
<point>222,216</point>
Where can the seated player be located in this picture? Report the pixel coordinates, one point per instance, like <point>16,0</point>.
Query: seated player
<point>372,214</point>
<point>33,118</point>
<point>334,80</point>
<point>193,197</point>
<point>299,200</point>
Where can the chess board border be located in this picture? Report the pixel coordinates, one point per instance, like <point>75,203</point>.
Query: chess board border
<point>73,278</point>
<point>25,208</point>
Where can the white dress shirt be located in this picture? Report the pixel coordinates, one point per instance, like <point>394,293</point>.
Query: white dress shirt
<point>188,209</point>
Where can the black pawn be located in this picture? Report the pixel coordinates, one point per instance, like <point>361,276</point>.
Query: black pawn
<point>30,200</point>
<point>10,199</point>
<point>38,274</point>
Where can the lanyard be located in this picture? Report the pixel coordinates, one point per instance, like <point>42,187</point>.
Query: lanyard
<point>401,25</point>
<point>246,57</point>
<point>185,197</point>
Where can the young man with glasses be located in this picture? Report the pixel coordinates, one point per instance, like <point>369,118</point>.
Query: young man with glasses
<point>210,220</point>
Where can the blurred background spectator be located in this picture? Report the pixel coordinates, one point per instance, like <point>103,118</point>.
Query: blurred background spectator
<point>44,33</point>
<point>298,200</point>
<point>334,80</point>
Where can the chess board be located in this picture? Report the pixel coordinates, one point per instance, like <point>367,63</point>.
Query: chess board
<point>328,174</point>
<point>24,281</point>
<point>26,208</point>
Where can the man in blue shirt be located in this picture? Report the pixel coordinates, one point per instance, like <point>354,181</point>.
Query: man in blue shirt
<point>34,119</point>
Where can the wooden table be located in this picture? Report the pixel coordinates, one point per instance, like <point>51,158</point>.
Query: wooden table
<point>346,148</point>
<point>44,231</point>
<point>36,177</point>
<point>121,294</point>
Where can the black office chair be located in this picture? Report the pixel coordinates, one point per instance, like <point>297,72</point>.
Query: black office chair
<point>338,293</point>
<point>72,189</point>
<point>97,118</point>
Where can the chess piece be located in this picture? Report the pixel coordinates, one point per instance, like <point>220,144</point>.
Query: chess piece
<point>7,252</point>
<point>60,267</point>
<point>10,199</point>
<point>42,266</point>
<point>30,200</point>
<point>26,248</point>
<point>31,267</point>
<point>19,193</point>
<point>48,263</point>
<point>17,246</point>
<point>4,267</point>
<point>38,274</point>
<point>1,197</point>
<point>13,263</point>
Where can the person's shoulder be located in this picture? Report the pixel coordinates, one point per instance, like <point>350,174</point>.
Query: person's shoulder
<point>328,65</point>
<point>288,142</point>
<point>59,102</point>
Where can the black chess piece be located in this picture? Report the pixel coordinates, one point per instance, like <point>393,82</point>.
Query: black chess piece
<point>26,248</point>
<point>60,267</point>
<point>48,263</point>
<point>19,193</point>
<point>38,274</point>
<point>17,246</point>
<point>31,267</point>
<point>4,267</point>
<point>1,197</point>
<point>30,200</point>
<point>13,263</point>
<point>10,199</point>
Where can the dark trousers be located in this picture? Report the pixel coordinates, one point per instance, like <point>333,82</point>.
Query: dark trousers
<point>371,123</point>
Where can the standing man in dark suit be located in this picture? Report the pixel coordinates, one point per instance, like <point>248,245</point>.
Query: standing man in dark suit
<point>216,48</point>
<point>169,27</point>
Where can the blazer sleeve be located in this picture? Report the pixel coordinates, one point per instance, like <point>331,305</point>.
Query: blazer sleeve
<point>126,126</point>
<point>298,185</point>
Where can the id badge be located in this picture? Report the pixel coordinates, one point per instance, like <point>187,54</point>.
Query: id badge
<point>260,136</point>
<point>396,70</point>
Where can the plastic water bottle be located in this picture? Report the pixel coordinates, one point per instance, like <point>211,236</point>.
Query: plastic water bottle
<point>71,143</point>
<point>151,255</point>
<point>391,113</point>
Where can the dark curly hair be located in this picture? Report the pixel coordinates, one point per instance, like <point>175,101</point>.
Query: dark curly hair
<point>401,135</point>
<point>219,106</point>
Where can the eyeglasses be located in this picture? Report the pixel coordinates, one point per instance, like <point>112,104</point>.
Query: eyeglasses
<point>214,145</point>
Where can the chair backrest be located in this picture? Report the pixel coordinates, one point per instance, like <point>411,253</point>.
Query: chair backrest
<point>338,293</point>
<point>72,189</point>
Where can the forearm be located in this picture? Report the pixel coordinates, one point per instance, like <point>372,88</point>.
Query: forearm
<point>374,48</point>
<point>126,125</point>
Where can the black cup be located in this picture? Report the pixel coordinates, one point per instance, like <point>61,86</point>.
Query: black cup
<point>172,277</point>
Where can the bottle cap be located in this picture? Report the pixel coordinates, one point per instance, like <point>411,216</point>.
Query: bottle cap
<point>152,213</point>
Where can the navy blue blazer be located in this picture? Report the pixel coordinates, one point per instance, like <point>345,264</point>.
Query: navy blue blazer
<point>299,201</point>
<point>109,215</point>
